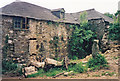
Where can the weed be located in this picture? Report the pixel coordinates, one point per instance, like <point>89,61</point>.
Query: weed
<point>95,75</point>
<point>115,57</point>
<point>97,61</point>
<point>108,73</point>
<point>78,68</point>
<point>49,73</point>
<point>10,67</point>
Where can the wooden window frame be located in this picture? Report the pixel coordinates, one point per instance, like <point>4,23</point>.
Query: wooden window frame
<point>20,23</point>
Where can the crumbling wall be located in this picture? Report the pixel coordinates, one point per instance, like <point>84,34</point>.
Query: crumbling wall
<point>100,27</point>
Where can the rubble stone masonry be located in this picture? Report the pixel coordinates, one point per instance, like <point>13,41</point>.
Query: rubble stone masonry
<point>43,38</point>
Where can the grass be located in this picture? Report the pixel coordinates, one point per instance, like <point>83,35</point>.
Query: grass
<point>108,73</point>
<point>95,75</point>
<point>75,61</point>
<point>94,64</point>
<point>78,68</point>
<point>97,63</point>
<point>115,57</point>
<point>49,73</point>
<point>11,67</point>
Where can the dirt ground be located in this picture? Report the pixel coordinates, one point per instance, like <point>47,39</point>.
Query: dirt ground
<point>113,62</point>
<point>112,57</point>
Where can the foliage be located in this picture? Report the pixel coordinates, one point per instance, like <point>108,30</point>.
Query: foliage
<point>97,62</point>
<point>96,76</point>
<point>80,43</point>
<point>7,64</point>
<point>77,68</point>
<point>108,73</point>
<point>114,30</point>
<point>55,44</point>
<point>10,67</point>
<point>109,15</point>
<point>6,47</point>
<point>80,68</point>
<point>51,72</point>
<point>116,13</point>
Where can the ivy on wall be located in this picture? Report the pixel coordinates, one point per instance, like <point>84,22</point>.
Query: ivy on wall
<point>55,45</point>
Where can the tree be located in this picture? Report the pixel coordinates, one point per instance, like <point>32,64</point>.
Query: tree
<point>114,30</point>
<point>109,15</point>
<point>81,40</point>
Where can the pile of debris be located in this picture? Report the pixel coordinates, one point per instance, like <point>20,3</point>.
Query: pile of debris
<point>46,64</point>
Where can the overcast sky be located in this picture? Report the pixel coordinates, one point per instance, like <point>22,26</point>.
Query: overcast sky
<point>73,5</point>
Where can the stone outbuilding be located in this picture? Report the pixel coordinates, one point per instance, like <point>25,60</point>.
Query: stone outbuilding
<point>35,31</point>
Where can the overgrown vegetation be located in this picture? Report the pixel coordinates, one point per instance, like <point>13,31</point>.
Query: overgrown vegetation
<point>81,40</point>
<point>114,30</point>
<point>5,47</point>
<point>51,72</point>
<point>77,68</point>
<point>7,64</point>
<point>55,45</point>
<point>108,73</point>
<point>97,62</point>
<point>10,67</point>
<point>109,15</point>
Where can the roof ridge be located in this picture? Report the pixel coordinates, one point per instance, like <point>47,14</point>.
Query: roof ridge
<point>19,1</point>
<point>82,11</point>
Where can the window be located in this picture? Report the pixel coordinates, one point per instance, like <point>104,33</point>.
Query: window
<point>20,23</point>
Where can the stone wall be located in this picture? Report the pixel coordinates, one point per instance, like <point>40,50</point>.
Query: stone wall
<point>18,40</point>
<point>51,38</point>
<point>43,38</point>
<point>100,27</point>
<point>39,39</point>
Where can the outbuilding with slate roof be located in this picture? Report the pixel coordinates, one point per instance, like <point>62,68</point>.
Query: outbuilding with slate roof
<point>32,29</point>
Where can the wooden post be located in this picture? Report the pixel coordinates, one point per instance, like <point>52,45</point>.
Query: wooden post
<point>66,61</point>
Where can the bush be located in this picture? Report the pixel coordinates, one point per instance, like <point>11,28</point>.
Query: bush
<point>114,30</point>
<point>80,68</point>
<point>81,40</point>
<point>97,63</point>
<point>9,66</point>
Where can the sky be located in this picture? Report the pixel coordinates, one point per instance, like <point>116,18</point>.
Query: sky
<point>72,6</point>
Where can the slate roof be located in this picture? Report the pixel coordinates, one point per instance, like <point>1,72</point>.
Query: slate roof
<point>33,11</point>
<point>91,14</point>
<point>28,10</point>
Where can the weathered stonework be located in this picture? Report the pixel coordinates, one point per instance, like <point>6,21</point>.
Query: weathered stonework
<point>38,39</point>
<point>46,38</point>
